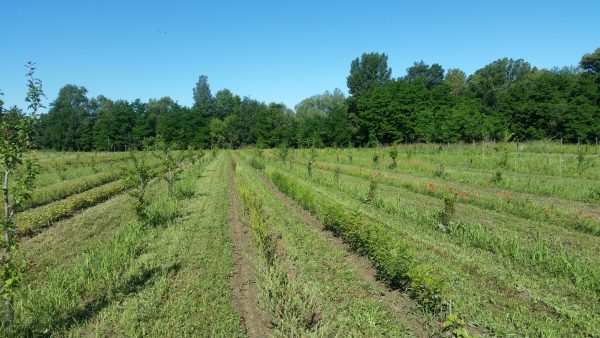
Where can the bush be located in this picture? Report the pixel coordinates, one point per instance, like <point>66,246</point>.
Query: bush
<point>439,172</point>
<point>448,212</point>
<point>392,257</point>
<point>184,190</point>
<point>257,164</point>
<point>162,212</point>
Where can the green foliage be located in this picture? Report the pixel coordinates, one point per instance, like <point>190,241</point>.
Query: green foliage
<point>161,212</point>
<point>17,132</point>
<point>283,152</point>
<point>424,286</point>
<point>439,171</point>
<point>393,155</point>
<point>453,326</point>
<point>447,214</point>
<point>257,163</point>
<point>591,62</point>
<point>139,178</point>
<point>430,75</point>
<point>373,183</point>
<point>32,220</point>
<point>583,163</point>
<point>505,100</point>
<point>336,174</point>
<point>44,195</point>
<point>392,257</point>
<point>503,162</point>
<point>169,162</point>
<point>294,307</point>
<point>368,73</point>
<point>375,159</point>
<point>497,178</point>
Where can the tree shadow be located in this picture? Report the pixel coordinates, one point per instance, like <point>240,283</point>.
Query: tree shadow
<point>99,300</point>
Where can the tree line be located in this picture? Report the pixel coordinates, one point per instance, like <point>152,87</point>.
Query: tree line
<point>508,99</point>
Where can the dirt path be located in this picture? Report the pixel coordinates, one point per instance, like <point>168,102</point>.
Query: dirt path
<point>400,304</point>
<point>243,281</point>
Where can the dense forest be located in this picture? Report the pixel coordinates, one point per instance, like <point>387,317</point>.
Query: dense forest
<point>507,99</point>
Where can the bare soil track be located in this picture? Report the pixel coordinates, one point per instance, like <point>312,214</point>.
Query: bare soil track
<point>400,304</point>
<point>243,282</point>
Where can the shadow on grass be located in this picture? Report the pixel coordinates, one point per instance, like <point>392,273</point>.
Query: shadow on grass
<point>96,301</point>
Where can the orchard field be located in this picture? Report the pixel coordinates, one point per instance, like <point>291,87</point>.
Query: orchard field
<point>482,239</point>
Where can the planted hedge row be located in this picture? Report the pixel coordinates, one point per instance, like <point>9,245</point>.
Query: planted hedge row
<point>30,221</point>
<point>64,189</point>
<point>516,207</point>
<point>537,253</point>
<point>392,257</point>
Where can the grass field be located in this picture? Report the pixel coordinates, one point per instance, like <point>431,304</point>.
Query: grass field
<point>415,240</point>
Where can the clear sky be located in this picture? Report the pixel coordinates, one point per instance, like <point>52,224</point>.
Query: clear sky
<point>281,51</point>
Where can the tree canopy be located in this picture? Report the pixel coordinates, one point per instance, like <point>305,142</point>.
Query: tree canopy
<point>504,100</point>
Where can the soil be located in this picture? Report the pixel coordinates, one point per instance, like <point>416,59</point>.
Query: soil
<point>400,304</point>
<point>243,282</point>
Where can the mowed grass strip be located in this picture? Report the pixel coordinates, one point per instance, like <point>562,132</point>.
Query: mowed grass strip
<point>484,289</point>
<point>565,213</point>
<point>349,305</point>
<point>189,293</point>
<point>64,189</point>
<point>575,189</point>
<point>32,220</point>
<point>549,249</point>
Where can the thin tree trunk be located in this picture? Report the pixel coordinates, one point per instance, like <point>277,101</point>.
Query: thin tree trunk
<point>8,316</point>
<point>6,206</point>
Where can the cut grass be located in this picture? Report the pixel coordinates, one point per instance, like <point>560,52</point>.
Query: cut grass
<point>484,289</point>
<point>174,282</point>
<point>349,306</point>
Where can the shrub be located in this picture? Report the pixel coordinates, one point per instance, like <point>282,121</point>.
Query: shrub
<point>424,286</point>
<point>392,257</point>
<point>375,159</point>
<point>257,164</point>
<point>373,182</point>
<point>309,168</point>
<point>162,212</point>
<point>497,177</point>
<point>393,156</point>
<point>448,212</point>
<point>184,190</point>
<point>439,172</point>
<point>336,174</point>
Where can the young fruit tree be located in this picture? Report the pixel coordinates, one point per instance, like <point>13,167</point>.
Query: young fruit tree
<point>170,163</point>
<point>16,140</point>
<point>140,178</point>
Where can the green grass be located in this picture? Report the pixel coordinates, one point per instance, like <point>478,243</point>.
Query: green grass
<point>473,278</point>
<point>182,266</point>
<point>516,256</point>
<point>349,306</point>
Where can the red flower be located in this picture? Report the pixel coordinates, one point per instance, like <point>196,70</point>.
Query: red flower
<point>580,212</point>
<point>439,324</point>
<point>588,216</point>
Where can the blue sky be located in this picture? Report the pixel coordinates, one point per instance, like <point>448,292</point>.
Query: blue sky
<point>281,51</point>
